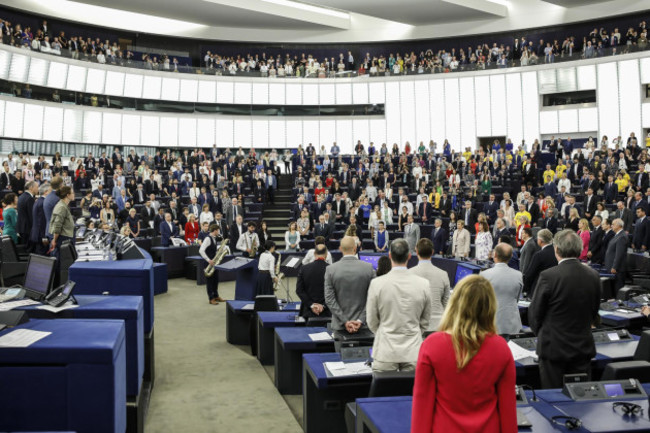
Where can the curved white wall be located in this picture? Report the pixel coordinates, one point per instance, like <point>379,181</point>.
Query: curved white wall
<point>459,107</point>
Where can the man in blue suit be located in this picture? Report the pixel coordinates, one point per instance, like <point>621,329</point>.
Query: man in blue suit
<point>439,238</point>
<point>550,189</point>
<point>490,209</point>
<point>271,185</point>
<point>168,230</point>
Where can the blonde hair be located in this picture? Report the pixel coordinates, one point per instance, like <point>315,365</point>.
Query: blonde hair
<point>573,212</point>
<point>469,317</point>
<point>351,230</point>
<point>584,223</point>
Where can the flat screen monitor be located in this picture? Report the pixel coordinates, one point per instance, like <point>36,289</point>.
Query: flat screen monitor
<point>370,258</point>
<point>462,272</point>
<point>40,274</point>
<point>614,389</point>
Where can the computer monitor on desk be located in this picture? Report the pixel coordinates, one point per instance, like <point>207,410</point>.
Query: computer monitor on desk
<point>39,276</point>
<point>373,259</point>
<point>463,271</point>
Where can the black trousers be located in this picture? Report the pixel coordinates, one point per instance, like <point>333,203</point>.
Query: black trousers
<point>212,285</point>
<point>619,280</point>
<point>552,372</point>
<point>271,194</point>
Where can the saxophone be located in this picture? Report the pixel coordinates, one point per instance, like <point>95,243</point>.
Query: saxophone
<point>279,275</point>
<point>218,257</point>
<point>253,249</point>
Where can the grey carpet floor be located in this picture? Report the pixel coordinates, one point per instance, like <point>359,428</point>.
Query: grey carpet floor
<point>203,384</point>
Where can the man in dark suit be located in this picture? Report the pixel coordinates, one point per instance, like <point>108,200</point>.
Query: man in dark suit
<point>616,254</point>
<point>338,206</point>
<point>25,213</point>
<point>641,230</point>
<point>236,230</point>
<point>596,252</point>
<point>589,204</point>
<point>37,230</point>
<point>425,211</point>
<point>444,205</point>
<point>168,230</point>
<point>533,210</point>
<point>610,190</point>
<point>500,229</point>
<point>310,286</point>
<point>490,209</point>
<point>469,216</point>
<point>641,179</point>
<point>6,179</point>
<point>298,208</point>
<point>550,222</point>
<point>542,260</point>
<point>564,306</point>
<point>354,190</point>
<point>147,215</point>
<point>439,238</point>
<point>322,228</point>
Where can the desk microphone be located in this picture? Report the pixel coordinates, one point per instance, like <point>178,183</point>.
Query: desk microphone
<point>531,390</point>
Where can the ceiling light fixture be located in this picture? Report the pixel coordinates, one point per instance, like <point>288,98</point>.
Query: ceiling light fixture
<point>310,8</point>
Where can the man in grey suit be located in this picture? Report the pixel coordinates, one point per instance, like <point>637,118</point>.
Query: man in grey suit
<point>346,288</point>
<point>625,215</point>
<point>398,310</point>
<point>411,233</point>
<point>507,284</point>
<point>438,279</point>
<point>527,251</point>
<point>233,211</point>
<point>616,254</point>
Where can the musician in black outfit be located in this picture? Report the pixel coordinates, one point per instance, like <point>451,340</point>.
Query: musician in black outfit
<point>208,251</point>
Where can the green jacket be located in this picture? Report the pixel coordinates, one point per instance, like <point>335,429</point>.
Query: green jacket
<point>62,221</point>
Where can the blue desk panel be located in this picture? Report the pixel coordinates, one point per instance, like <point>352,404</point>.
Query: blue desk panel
<point>73,379</point>
<point>314,363</point>
<point>298,338</point>
<point>123,277</point>
<point>159,278</point>
<point>238,306</point>
<point>279,319</point>
<point>393,415</point>
<point>127,308</point>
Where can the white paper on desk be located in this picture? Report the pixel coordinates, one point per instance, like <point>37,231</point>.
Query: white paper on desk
<point>22,338</point>
<point>320,336</point>
<point>55,310</point>
<point>6,306</point>
<point>293,262</point>
<point>519,352</point>
<point>248,307</point>
<point>338,369</point>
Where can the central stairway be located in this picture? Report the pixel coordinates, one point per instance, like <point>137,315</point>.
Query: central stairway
<point>278,215</point>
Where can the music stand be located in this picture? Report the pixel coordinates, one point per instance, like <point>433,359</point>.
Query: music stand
<point>291,262</point>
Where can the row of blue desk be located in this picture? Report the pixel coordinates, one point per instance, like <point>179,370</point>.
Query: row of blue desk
<point>299,366</point>
<point>393,414</point>
<point>95,372</point>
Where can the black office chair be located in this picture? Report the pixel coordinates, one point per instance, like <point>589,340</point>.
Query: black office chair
<point>262,303</point>
<point>392,383</point>
<point>384,384</point>
<point>319,321</point>
<point>638,368</point>
<point>13,268</point>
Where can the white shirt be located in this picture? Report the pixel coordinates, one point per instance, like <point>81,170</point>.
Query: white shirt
<point>267,263</point>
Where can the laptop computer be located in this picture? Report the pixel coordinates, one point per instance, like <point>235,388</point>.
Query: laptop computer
<point>38,278</point>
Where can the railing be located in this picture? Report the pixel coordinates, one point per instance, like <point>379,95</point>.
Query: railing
<point>318,73</point>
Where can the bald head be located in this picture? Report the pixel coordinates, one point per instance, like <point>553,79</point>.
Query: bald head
<point>348,246</point>
<point>502,253</point>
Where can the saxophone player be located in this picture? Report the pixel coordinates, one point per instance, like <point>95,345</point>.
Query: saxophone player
<point>266,268</point>
<point>208,251</point>
<point>248,242</point>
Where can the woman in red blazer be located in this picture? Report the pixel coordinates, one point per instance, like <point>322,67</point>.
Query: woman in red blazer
<point>191,229</point>
<point>465,375</point>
